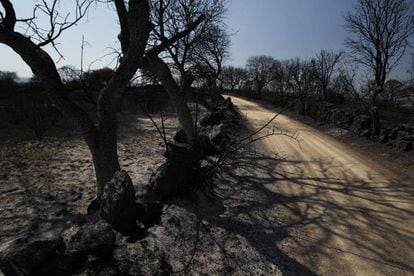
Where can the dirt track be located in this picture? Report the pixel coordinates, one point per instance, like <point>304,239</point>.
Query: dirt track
<point>344,214</point>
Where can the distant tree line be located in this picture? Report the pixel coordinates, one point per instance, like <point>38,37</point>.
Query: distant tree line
<point>380,32</point>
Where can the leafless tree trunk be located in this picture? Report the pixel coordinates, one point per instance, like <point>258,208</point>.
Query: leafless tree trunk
<point>159,67</point>
<point>100,135</point>
<point>171,17</point>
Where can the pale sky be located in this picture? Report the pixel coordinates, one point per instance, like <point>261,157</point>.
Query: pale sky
<point>280,28</point>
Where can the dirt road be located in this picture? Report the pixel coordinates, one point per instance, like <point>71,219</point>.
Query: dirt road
<point>344,214</point>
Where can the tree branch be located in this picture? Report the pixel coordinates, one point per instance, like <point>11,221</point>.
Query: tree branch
<point>9,19</point>
<point>168,42</point>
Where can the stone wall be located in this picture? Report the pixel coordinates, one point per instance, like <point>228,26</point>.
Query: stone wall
<point>399,136</point>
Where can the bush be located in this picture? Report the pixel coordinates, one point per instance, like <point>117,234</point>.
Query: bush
<point>38,113</point>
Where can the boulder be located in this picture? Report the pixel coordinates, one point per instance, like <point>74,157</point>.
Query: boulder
<point>170,179</point>
<point>145,257</point>
<point>406,136</point>
<point>350,117</point>
<point>217,133</point>
<point>149,210</point>
<point>92,239</point>
<point>181,153</point>
<point>393,134</point>
<point>203,144</point>
<point>361,124</point>
<point>365,122</point>
<point>118,204</point>
<point>57,264</point>
<point>213,118</point>
<point>227,103</point>
<point>410,125</point>
<point>385,136</point>
<point>365,133</point>
<point>402,145</point>
<point>205,147</point>
<point>403,140</point>
<point>24,257</point>
<point>168,246</point>
<point>180,137</point>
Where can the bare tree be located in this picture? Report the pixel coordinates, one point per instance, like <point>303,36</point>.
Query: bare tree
<point>69,74</point>
<point>169,18</point>
<point>282,80</point>
<point>261,70</point>
<point>303,78</point>
<point>326,64</point>
<point>135,27</point>
<point>148,77</point>
<point>344,83</point>
<point>381,30</point>
<point>234,77</point>
<point>210,52</point>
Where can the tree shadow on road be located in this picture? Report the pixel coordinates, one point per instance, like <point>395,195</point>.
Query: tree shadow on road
<point>275,202</point>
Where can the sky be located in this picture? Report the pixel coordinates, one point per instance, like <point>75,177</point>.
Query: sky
<point>280,28</point>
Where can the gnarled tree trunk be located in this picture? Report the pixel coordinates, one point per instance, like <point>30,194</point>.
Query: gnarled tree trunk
<point>158,66</point>
<point>376,124</point>
<point>103,147</point>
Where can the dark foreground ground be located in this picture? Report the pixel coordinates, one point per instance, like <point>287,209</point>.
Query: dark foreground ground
<point>279,209</point>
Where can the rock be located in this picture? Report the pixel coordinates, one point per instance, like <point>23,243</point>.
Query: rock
<point>118,204</point>
<point>149,211</point>
<point>58,264</point>
<point>108,271</point>
<point>360,124</point>
<point>181,153</point>
<point>385,136</point>
<point>168,246</point>
<point>217,133</point>
<point>205,147</point>
<point>227,103</point>
<point>403,140</point>
<point>171,179</point>
<point>402,145</point>
<point>393,133</point>
<point>25,256</point>
<point>93,207</point>
<point>365,122</point>
<point>346,120</point>
<point>93,262</point>
<point>365,133</point>
<point>145,257</point>
<point>92,239</point>
<point>180,137</point>
<point>406,136</point>
<point>203,144</point>
<point>410,124</point>
<point>91,265</point>
<point>212,119</point>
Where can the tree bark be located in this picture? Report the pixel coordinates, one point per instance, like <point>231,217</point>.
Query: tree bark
<point>157,66</point>
<point>103,146</point>
<point>376,124</point>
